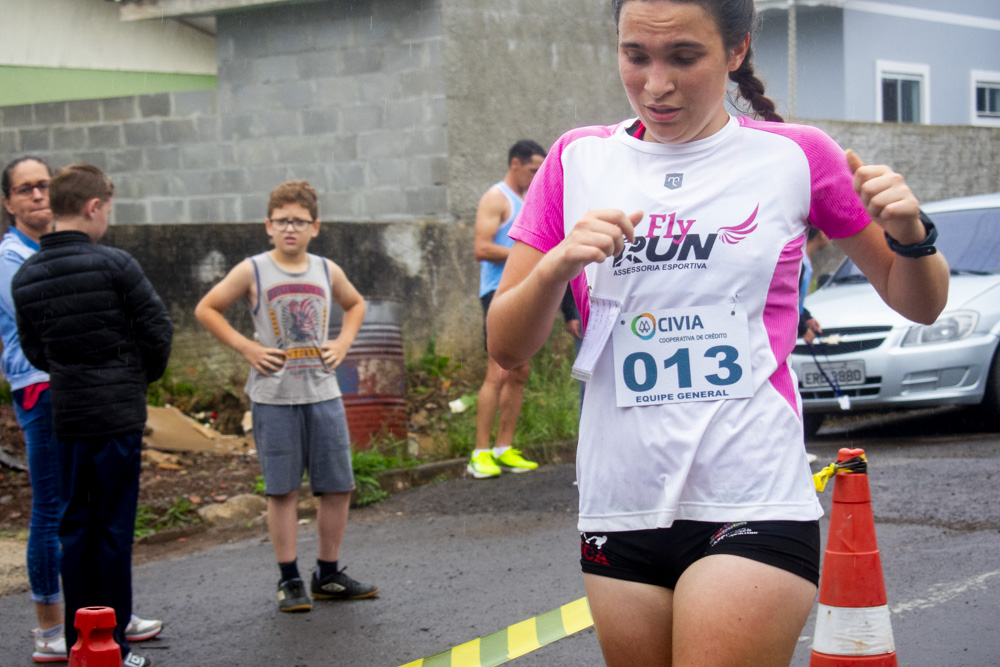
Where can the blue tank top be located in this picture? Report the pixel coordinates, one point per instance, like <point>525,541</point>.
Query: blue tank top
<point>490,272</point>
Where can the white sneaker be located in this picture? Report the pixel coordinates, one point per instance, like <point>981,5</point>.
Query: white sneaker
<point>139,630</point>
<point>50,650</point>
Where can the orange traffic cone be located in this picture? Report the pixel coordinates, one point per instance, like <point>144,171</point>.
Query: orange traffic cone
<point>95,644</point>
<point>852,622</point>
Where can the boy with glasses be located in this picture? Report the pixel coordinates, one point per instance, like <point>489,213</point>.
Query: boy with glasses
<point>299,421</point>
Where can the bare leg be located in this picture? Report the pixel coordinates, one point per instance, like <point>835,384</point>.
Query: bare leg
<point>736,612</point>
<point>488,403</point>
<point>282,524</point>
<point>49,615</point>
<point>331,519</point>
<point>633,621</point>
<point>511,398</point>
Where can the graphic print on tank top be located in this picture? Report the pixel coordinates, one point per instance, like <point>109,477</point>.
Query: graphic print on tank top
<point>298,313</point>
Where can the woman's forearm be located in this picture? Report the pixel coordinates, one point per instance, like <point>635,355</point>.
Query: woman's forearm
<point>521,314</point>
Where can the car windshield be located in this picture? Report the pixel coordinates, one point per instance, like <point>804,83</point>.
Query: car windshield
<point>969,240</point>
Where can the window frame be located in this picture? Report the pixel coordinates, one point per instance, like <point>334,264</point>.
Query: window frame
<point>921,72</point>
<point>977,78</point>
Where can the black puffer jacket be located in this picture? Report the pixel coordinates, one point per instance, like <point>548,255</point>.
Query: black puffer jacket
<point>88,316</point>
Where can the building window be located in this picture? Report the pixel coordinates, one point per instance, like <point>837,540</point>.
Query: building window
<point>901,99</point>
<point>988,100</point>
<point>985,98</point>
<point>903,93</point>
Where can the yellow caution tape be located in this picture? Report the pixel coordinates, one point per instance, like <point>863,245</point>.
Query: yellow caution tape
<point>858,464</point>
<point>514,641</point>
<point>823,476</point>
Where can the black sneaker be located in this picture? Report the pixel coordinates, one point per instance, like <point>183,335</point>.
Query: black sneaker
<point>339,586</point>
<point>136,660</point>
<point>292,596</point>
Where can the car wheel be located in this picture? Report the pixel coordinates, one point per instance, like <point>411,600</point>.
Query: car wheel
<point>811,422</point>
<point>989,408</point>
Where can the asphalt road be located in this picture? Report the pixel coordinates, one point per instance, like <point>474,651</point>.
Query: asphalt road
<point>461,559</point>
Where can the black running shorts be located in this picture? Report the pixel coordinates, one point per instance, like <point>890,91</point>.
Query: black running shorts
<point>659,556</point>
<point>486,300</point>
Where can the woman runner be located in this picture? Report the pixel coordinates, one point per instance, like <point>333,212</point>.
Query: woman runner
<point>681,233</point>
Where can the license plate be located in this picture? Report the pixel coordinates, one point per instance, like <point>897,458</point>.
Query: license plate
<point>843,373</point>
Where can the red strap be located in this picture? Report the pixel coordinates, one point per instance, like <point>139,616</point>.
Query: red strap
<point>32,392</point>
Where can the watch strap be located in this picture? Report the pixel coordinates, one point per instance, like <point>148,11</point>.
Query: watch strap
<point>914,250</point>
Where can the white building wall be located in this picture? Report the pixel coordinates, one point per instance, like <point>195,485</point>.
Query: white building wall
<point>89,34</point>
<point>948,51</point>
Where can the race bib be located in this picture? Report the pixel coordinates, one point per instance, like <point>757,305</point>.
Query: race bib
<point>679,355</point>
<point>603,316</point>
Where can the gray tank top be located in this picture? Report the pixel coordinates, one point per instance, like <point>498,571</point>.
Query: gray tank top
<point>292,314</point>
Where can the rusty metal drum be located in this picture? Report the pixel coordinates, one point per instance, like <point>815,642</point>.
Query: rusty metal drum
<point>372,376</point>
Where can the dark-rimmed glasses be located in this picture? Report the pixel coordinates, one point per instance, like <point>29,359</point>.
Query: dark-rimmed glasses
<point>296,223</point>
<point>28,189</point>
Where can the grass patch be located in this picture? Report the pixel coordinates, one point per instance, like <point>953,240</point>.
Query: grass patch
<point>148,521</point>
<point>368,463</point>
<point>170,389</point>
<point>258,485</point>
<point>549,412</point>
<point>20,535</point>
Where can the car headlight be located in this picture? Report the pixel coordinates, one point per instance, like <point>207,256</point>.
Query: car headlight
<point>949,327</point>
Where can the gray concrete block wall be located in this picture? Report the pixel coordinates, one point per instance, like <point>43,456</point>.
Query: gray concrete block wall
<point>938,161</point>
<point>343,95</point>
<point>521,69</point>
<point>144,143</point>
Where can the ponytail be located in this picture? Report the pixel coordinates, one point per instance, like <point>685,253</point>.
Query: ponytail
<point>751,89</point>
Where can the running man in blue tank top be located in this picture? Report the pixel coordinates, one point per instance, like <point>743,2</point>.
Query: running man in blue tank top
<point>501,391</point>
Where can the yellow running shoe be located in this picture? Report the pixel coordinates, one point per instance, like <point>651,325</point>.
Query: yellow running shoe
<point>483,465</point>
<point>512,461</point>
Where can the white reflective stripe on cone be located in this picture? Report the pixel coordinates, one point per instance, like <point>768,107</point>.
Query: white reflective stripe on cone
<point>853,630</point>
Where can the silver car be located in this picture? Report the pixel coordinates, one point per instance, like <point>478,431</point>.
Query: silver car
<point>871,358</point>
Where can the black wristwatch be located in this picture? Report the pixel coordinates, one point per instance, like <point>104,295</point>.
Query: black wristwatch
<point>922,249</point>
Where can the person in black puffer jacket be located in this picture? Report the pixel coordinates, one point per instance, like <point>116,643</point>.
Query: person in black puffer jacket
<point>88,316</point>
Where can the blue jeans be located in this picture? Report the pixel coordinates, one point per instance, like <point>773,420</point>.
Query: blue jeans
<point>98,496</point>
<point>43,466</point>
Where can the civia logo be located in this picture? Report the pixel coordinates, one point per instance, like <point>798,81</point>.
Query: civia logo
<point>644,326</point>
<point>673,181</point>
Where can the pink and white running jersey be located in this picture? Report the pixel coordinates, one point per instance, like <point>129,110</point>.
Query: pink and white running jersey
<point>724,223</point>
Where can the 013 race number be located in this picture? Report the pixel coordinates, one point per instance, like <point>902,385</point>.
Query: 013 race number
<point>682,354</point>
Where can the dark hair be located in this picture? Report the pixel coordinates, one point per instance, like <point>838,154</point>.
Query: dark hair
<point>524,150</point>
<point>294,192</point>
<point>734,19</point>
<point>74,186</point>
<point>5,184</point>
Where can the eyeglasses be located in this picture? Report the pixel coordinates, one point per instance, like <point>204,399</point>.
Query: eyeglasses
<point>296,223</point>
<point>28,189</point>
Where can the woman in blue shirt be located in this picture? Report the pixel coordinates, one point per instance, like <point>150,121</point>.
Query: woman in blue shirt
<point>25,184</point>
